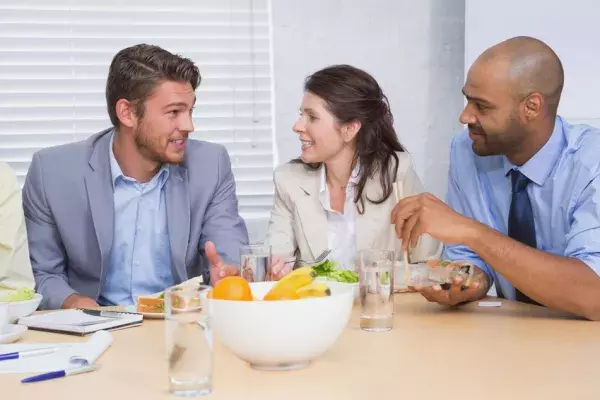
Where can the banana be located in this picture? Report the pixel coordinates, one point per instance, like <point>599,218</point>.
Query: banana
<point>286,288</point>
<point>315,289</point>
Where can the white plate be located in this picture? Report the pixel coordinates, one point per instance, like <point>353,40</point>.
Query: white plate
<point>12,333</point>
<point>133,309</point>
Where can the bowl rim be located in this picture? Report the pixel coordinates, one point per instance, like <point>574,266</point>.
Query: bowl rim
<point>36,298</point>
<point>347,287</point>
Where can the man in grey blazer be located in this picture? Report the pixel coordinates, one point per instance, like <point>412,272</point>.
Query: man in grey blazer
<point>138,207</point>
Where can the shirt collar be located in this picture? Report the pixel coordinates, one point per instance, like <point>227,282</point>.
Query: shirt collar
<point>539,167</point>
<point>116,172</point>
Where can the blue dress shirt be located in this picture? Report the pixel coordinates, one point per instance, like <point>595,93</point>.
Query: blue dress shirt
<point>564,193</point>
<point>140,260</point>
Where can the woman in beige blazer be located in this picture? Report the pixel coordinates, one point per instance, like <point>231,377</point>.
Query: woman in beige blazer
<point>340,193</point>
<point>14,251</point>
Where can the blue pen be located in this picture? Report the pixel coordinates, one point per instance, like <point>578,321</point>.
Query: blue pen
<point>60,374</point>
<point>27,353</point>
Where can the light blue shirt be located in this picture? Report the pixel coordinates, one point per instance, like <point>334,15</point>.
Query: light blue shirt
<point>564,193</point>
<point>140,259</point>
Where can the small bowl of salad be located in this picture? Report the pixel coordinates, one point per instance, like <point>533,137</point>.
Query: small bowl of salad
<point>330,271</point>
<point>21,302</point>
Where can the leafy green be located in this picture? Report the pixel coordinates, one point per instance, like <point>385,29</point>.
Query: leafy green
<point>20,294</point>
<point>330,270</point>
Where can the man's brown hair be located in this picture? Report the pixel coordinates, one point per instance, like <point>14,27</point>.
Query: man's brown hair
<point>135,72</point>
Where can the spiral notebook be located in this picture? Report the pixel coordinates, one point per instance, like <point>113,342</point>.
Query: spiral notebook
<point>81,322</point>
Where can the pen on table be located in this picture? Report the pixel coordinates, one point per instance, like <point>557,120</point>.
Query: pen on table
<point>60,374</point>
<point>27,353</point>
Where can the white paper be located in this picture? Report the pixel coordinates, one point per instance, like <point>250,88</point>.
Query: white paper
<point>69,355</point>
<point>98,343</point>
<point>490,304</point>
<point>79,322</point>
<point>65,317</point>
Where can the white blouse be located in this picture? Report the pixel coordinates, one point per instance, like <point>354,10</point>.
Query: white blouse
<point>341,226</point>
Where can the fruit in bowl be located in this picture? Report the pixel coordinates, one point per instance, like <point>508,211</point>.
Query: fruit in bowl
<point>296,285</point>
<point>279,329</point>
<point>329,271</point>
<point>21,302</point>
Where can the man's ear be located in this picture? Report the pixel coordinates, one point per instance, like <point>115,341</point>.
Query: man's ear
<point>126,113</point>
<point>533,106</point>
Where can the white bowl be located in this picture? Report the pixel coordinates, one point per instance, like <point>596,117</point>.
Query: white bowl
<point>18,309</point>
<point>288,334</point>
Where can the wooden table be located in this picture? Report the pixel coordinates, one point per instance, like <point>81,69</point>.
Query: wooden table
<point>517,351</point>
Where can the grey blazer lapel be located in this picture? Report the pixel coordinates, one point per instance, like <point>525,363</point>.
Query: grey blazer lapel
<point>178,219</point>
<point>98,183</point>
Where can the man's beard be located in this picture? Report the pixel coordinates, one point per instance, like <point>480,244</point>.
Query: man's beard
<point>499,143</point>
<point>149,146</point>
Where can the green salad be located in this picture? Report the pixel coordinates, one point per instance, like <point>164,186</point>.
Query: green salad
<point>20,294</point>
<point>330,270</point>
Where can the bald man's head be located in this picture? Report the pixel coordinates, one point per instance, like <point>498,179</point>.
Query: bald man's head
<point>531,66</point>
<point>513,90</point>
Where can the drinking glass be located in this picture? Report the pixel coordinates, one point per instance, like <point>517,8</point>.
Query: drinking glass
<point>189,340</point>
<point>255,263</point>
<point>376,282</point>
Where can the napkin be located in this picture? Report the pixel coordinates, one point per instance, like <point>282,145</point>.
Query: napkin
<point>69,355</point>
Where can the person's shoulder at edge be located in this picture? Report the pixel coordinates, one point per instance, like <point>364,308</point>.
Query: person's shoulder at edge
<point>8,176</point>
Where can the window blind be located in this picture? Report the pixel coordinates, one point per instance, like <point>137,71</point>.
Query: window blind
<point>54,58</point>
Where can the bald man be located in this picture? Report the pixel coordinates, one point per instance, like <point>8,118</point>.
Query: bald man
<point>523,191</point>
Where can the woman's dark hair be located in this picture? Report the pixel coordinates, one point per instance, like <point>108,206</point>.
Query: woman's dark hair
<point>351,94</point>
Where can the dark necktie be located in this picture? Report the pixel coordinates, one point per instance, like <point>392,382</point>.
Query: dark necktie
<point>520,219</point>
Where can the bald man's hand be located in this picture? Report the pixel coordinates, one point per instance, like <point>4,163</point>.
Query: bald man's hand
<point>460,291</point>
<point>425,213</point>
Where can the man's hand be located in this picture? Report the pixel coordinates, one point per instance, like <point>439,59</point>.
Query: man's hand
<point>460,291</point>
<point>218,269</point>
<point>425,213</point>
<point>79,301</point>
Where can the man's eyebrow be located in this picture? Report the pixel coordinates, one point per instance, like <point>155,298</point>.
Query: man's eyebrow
<point>474,98</point>
<point>177,104</point>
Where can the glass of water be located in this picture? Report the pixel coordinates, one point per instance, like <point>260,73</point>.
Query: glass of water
<point>189,340</point>
<point>255,263</point>
<point>376,282</point>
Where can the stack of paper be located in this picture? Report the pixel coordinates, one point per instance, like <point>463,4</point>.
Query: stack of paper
<point>79,322</point>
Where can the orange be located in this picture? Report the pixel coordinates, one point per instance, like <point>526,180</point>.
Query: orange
<point>232,288</point>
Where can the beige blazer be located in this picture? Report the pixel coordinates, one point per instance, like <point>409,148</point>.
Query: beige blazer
<point>14,251</point>
<point>298,224</point>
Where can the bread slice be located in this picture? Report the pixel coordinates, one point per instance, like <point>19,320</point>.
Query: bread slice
<point>147,304</point>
